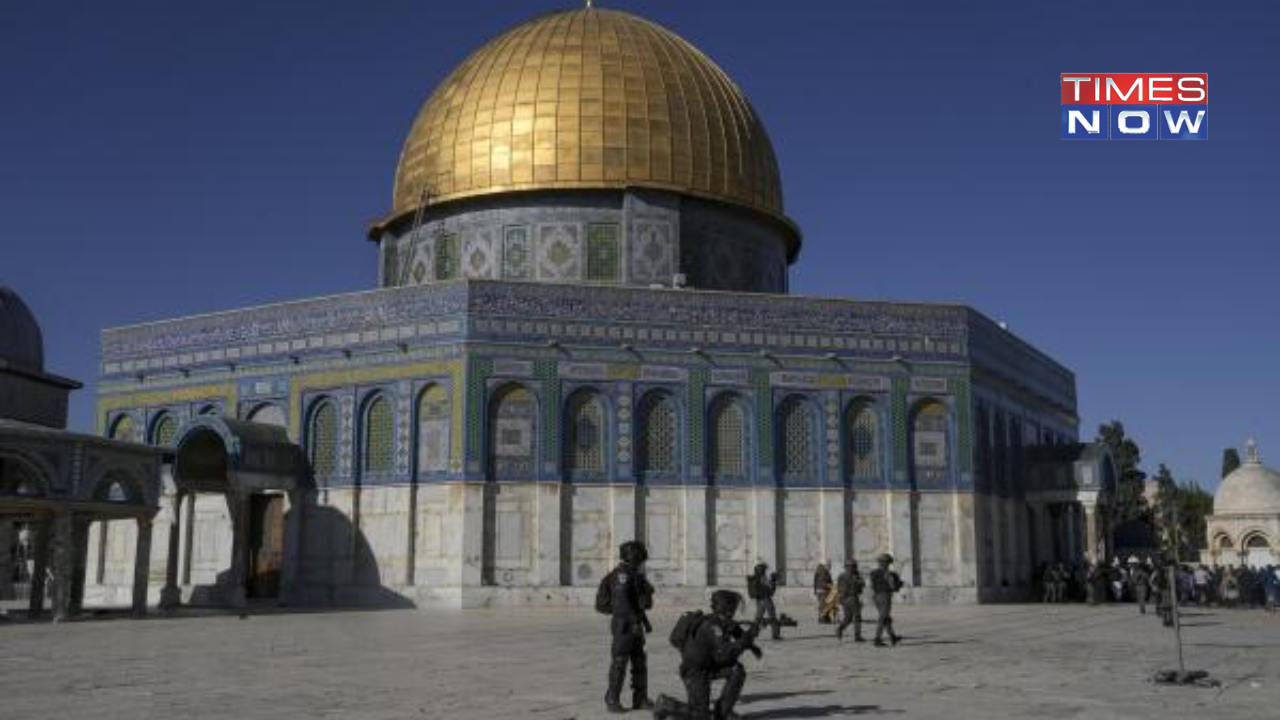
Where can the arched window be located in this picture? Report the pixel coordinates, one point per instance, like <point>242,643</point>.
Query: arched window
<point>797,428</point>
<point>513,428</point>
<point>584,433</point>
<point>1224,543</point>
<point>115,489</point>
<point>657,443</point>
<point>18,478</point>
<point>268,414</point>
<point>322,439</point>
<point>377,437</point>
<point>864,442</point>
<point>727,454</point>
<point>930,452</point>
<point>433,430</point>
<point>1257,542</point>
<point>163,430</point>
<point>122,429</point>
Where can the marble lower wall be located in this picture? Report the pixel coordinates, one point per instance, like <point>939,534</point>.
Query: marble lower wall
<point>476,544</point>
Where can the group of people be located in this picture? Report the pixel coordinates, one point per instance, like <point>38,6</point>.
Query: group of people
<point>711,644</point>
<point>1145,581</point>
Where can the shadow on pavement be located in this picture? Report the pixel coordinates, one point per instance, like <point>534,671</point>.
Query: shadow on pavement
<point>766,697</point>
<point>819,711</point>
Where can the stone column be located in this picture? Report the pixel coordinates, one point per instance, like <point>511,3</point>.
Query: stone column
<point>79,561</point>
<point>1091,533</point>
<point>765,547</point>
<point>696,535</point>
<point>8,539</point>
<point>624,502</point>
<point>40,530</point>
<point>63,566</point>
<point>187,540</point>
<point>291,572</point>
<point>141,567</point>
<point>835,527</point>
<point>171,595</point>
<point>235,593</point>
<point>551,501</point>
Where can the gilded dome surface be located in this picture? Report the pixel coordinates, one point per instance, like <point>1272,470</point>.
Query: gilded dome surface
<point>21,343</point>
<point>1251,488</point>
<point>588,98</point>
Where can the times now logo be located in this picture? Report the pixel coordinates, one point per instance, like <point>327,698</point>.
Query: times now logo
<point>1135,106</point>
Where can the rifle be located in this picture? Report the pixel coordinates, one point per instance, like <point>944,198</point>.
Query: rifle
<point>748,631</point>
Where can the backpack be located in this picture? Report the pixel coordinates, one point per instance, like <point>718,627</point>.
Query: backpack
<point>686,627</point>
<point>753,587</point>
<point>604,595</point>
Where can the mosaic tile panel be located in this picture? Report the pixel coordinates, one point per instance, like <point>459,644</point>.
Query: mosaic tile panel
<point>764,417</point>
<point>547,371</point>
<point>559,252</point>
<point>446,256</point>
<point>480,253</point>
<point>517,253</point>
<point>898,418</point>
<point>652,252</point>
<point>603,257</point>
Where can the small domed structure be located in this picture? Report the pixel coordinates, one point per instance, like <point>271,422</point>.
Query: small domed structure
<point>1245,525</point>
<point>1251,488</point>
<point>21,344</point>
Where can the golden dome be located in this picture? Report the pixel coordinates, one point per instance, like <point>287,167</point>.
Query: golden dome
<point>589,98</point>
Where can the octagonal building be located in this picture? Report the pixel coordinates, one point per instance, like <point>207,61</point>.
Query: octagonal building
<point>583,335</point>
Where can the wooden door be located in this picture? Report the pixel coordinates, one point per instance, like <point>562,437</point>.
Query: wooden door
<point>266,545</point>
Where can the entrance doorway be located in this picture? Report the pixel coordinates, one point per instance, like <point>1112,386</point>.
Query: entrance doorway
<point>265,546</point>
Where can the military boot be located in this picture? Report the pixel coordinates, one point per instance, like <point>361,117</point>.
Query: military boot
<point>617,675</point>
<point>664,708</point>
<point>640,701</point>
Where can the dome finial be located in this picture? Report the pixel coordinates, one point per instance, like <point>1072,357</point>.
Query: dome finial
<point>1251,452</point>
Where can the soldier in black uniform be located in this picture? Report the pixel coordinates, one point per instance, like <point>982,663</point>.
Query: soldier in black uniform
<point>632,597</point>
<point>884,583</point>
<point>766,585</point>
<point>850,586</point>
<point>710,652</point>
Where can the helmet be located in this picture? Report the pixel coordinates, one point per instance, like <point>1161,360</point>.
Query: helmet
<point>851,564</point>
<point>725,602</point>
<point>633,552</point>
<point>885,559</point>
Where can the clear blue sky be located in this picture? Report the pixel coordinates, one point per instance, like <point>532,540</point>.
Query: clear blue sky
<point>162,158</point>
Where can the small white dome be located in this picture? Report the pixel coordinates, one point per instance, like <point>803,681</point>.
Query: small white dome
<point>1251,488</point>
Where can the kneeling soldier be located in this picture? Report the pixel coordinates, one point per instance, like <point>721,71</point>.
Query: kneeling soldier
<point>710,646</point>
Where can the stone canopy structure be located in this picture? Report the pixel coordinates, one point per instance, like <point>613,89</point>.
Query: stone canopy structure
<point>583,336</point>
<point>54,483</point>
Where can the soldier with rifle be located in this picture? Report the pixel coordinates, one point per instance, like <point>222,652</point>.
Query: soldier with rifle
<point>710,646</point>
<point>884,584</point>
<point>850,587</point>
<point>626,595</point>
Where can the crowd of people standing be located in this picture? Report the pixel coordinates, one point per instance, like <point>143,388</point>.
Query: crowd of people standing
<point>1144,581</point>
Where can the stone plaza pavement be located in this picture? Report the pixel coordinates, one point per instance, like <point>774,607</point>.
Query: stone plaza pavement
<point>1004,661</point>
